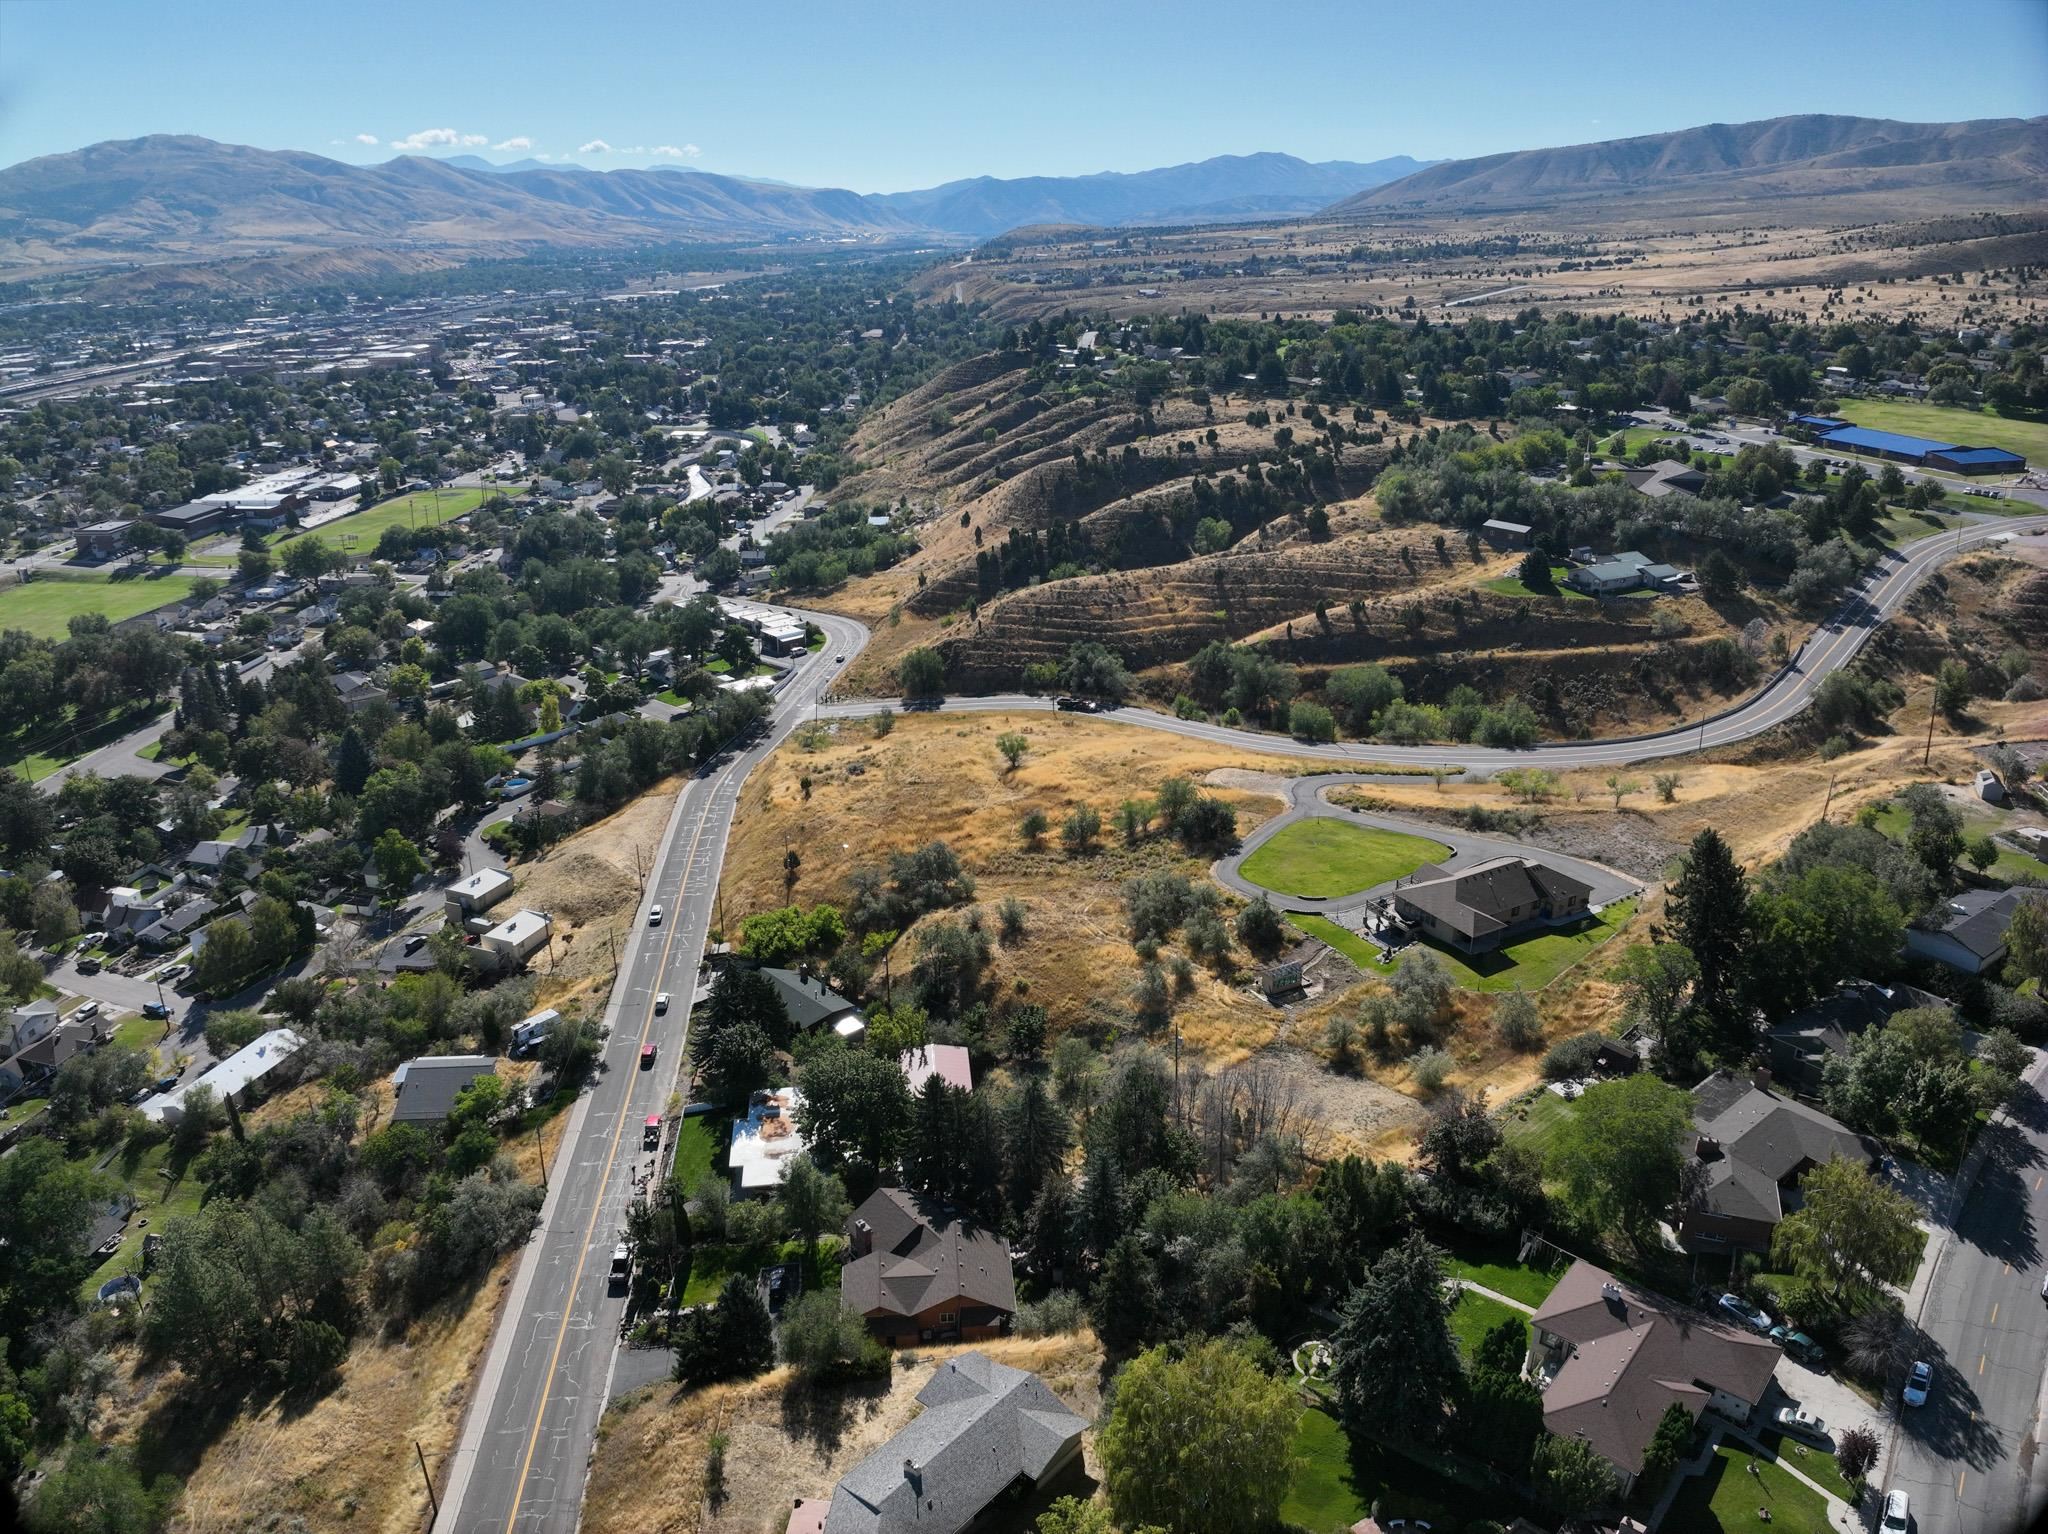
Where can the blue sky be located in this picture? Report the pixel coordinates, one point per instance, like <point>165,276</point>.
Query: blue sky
<point>882,96</point>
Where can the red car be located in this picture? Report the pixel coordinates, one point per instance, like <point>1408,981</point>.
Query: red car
<point>647,1057</point>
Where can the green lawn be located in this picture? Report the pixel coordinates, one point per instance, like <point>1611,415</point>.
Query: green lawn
<point>158,1201</point>
<point>1947,423</point>
<point>2013,866</point>
<point>698,1146</point>
<point>1512,586</point>
<point>1528,965</point>
<point>1517,1280</point>
<point>1322,857</point>
<point>1535,1125</point>
<point>1336,1482</point>
<point>1725,1500</point>
<point>47,604</point>
<point>1816,1464</point>
<point>710,1266</point>
<point>358,533</point>
<point>1475,1315</point>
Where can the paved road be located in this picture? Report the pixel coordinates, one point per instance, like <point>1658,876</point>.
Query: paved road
<point>1879,595</point>
<point>1306,802</point>
<point>1968,1459</point>
<point>520,1463</point>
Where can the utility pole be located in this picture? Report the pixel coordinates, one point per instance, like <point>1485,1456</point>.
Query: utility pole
<point>1927,754</point>
<point>1830,799</point>
<point>541,1146</point>
<point>432,1501</point>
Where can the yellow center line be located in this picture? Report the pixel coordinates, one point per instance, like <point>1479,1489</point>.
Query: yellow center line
<point>597,1205</point>
<point>1961,1476</point>
<point>1980,1361</point>
<point>1994,1314</point>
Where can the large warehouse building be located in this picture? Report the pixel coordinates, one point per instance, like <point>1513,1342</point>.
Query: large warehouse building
<point>1922,452</point>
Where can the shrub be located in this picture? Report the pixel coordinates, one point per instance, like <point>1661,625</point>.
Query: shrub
<point>1431,1068</point>
<point>1517,1022</point>
<point>1572,1058</point>
<point>1060,1311</point>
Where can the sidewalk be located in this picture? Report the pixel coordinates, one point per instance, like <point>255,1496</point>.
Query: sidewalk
<point>1492,1294</point>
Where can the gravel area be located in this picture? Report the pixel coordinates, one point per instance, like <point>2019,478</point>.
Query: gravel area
<point>1353,1108</point>
<point>1629,844</point>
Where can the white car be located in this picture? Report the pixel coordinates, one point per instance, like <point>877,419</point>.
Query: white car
<point>1919,1384</point>
<point>661,1004</point>
<point>1802,1423</point>
<point>1898,1514</point>
<point>654,917</point>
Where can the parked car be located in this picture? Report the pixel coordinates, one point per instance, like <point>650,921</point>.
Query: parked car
<point>1736,1308</point>
<point>156,1010</point>
<point>415,943</point>
<point>654,917</point>
<point>661,1003</point>
<point>622,1265</point>
<point>173,973</point>
<point>88,966</point>
<point>1801,1423</point>
<point>1919,1384</point>
<point>1799,1345</point>
<point>90,1009</point>
<point>647,1057</point>
<point>1898,1514</point>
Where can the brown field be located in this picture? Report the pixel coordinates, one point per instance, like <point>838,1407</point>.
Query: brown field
<point>784,1440</point>
<point>1860,257</point>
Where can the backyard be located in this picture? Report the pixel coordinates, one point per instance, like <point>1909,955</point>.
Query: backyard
<point>1338,1481</point>
<point>46,605</point>
<point>424,508</point>
<point>711,1266</point>
<point>1322,857</point>
<point>1504,1274</point>
<point>1475,1315</point>
<point>1528,965</point>
<point>1513,586</point>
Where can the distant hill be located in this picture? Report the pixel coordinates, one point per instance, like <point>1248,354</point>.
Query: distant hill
<point>185,199</point>
<point>1225,187</point>
<point>1973,164</point>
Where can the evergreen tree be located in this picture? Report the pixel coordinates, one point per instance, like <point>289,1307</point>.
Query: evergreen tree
<point>352,763</point>
<point>1396,1364</point>
<point>1709,913</point>
<point>735,1339</point>
<point>1036,1135</point>
<point>1125,1306</point>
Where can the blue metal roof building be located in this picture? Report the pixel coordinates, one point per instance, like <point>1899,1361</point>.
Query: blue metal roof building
<point>1977,460</point>
<point>1885,444</point>
<point>1818,422</point>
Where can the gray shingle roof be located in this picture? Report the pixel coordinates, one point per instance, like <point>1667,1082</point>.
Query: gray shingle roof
<point>1977,919</point>
<point>1472,900</point>
<point>809,1002</point>
<point>984,1425</point>
<point>427,1087</point>
<point>1775,1135</point>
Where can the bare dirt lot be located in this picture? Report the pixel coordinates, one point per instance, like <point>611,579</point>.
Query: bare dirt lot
<point>784,1440</point>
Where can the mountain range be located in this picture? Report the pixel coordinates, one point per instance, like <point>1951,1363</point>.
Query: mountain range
<point>174,205</point>
<point>1979,163</point>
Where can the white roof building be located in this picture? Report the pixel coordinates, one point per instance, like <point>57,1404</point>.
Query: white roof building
<point>481,890</point>
<point>249,1064</point>
<point>765,1141</point>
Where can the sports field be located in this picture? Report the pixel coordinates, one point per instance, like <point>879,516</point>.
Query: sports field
<point>1945,423</point>
<point>423,508</point>
<point>46,605</point>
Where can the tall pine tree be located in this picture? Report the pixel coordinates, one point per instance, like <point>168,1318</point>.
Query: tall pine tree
<point>1708,908</point>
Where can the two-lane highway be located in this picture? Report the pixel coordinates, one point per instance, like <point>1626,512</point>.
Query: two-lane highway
<point>1968,1459</point>
<point>525,1446</point>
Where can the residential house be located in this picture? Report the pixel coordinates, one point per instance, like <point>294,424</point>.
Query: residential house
<point>1967,931</point>
<point>1799,1048</point>
<point>951,1063</point>
<point>41,1059</point>
<point>208,856</point>
<point>518,937</point>
<point>357,690</point>
<point>986,1431</point>
<point>921,1270</point>
<point>764,1143</point>
<point>427,1087</point>
<point>236,1074</point>
<point>810,1002</point>
<point>1611,1358</point>
<point>175,927</point>
<point>1621,573</point>
<point>1666,478</point>
<point>1479,908</point>
<point>1752,1147</point>
<point>28,1022</point>
<point>479,892</point>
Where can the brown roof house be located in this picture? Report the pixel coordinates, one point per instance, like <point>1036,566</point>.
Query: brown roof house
<point>1610,1358</point>
<point>1751,1147</point>
<point>922,1271</point>
<point>986,1430</point>
<point>1479,908</point>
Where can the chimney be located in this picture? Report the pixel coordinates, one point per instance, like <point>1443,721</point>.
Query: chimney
<point>909,1469</point>
<point>863,1240</point>
<point>1760,1078</point>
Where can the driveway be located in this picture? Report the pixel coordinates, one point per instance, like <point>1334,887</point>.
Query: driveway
<point>1307,801</point>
